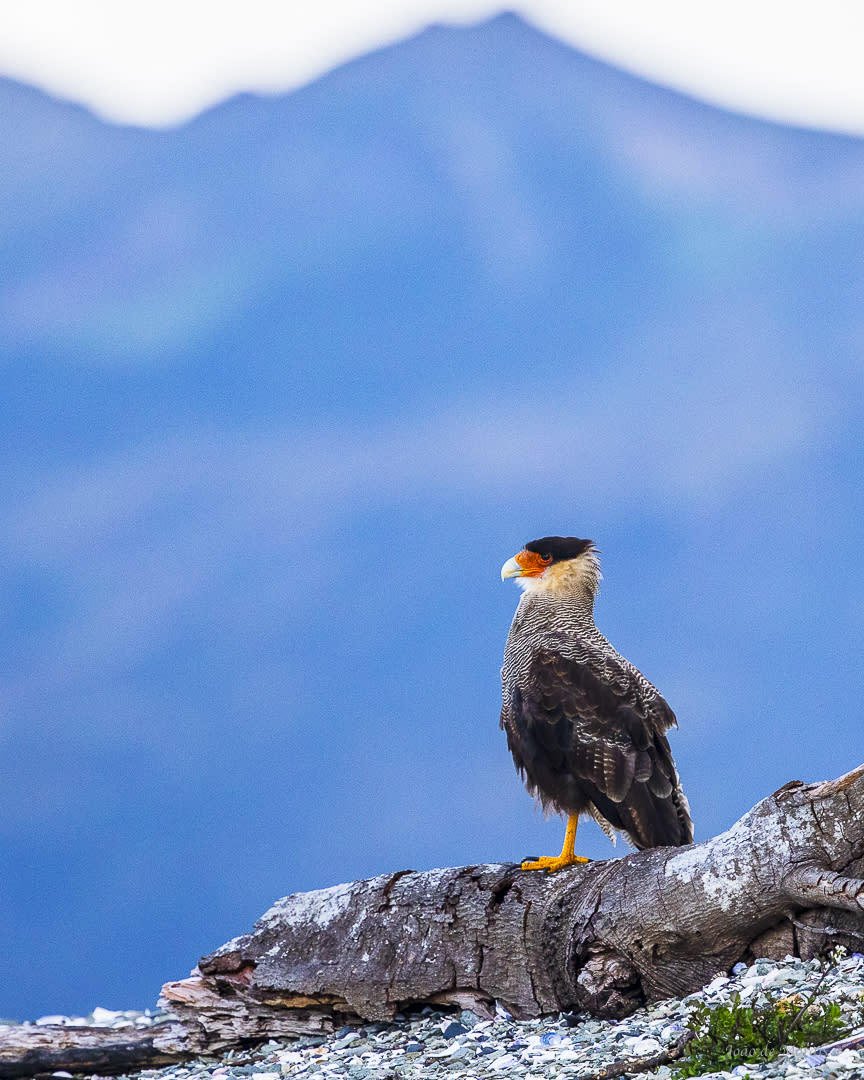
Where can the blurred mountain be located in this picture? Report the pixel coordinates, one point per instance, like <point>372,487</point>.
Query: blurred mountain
<point>284,387</point>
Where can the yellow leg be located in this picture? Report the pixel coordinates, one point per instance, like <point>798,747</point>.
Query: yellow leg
<point>566,858</point>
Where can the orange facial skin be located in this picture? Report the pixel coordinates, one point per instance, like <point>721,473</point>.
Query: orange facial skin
<point>531,564</point>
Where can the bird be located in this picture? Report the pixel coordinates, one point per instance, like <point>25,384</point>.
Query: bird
<point>585,727</point>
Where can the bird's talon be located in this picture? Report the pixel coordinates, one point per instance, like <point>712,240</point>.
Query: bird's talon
<point>551,863</point>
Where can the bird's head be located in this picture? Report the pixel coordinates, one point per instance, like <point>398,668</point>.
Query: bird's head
<point>556,564</point>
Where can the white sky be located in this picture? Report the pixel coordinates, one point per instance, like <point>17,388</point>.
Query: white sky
<point>160,61</point>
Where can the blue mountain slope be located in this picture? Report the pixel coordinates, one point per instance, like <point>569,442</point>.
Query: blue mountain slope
<point>284,387</point>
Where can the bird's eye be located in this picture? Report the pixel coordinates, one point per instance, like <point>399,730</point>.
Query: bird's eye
<point>546,558</point>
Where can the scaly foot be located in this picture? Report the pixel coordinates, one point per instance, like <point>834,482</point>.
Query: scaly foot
<point>553,862</point>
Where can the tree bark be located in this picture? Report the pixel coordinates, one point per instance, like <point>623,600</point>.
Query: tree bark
<point>605,937</point>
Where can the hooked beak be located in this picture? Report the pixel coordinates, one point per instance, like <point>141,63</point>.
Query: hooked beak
<point>511,568</point>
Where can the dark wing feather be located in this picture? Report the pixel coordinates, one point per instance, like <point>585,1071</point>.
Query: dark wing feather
<point>581,738</point>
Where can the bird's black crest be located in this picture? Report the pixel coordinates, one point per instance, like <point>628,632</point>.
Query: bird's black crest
<point>559,548</point>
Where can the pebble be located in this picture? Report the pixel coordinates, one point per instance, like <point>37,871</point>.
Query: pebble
<point>430,1045</point>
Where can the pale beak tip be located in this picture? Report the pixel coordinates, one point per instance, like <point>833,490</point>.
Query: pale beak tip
<point>511,568</point>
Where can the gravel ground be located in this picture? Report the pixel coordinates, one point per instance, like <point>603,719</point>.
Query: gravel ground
<point>464,1047</point>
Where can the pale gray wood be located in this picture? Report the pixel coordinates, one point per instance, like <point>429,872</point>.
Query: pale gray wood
<point>27,1049</point>
<point>605,937</point>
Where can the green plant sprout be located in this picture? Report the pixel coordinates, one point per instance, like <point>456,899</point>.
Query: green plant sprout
<point>736,1033</point>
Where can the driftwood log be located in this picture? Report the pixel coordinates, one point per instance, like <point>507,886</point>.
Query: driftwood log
<point>604,938</point>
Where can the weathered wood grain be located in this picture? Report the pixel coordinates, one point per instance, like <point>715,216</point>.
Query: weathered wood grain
<point>27,1049</point>
<point>605,937</point>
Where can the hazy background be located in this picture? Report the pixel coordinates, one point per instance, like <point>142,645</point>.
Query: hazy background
<point>285,385</point>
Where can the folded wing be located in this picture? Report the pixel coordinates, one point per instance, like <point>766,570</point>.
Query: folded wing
<point>587,737</point>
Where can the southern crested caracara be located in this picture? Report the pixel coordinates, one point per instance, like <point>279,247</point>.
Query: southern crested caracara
<point>585,727</point>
